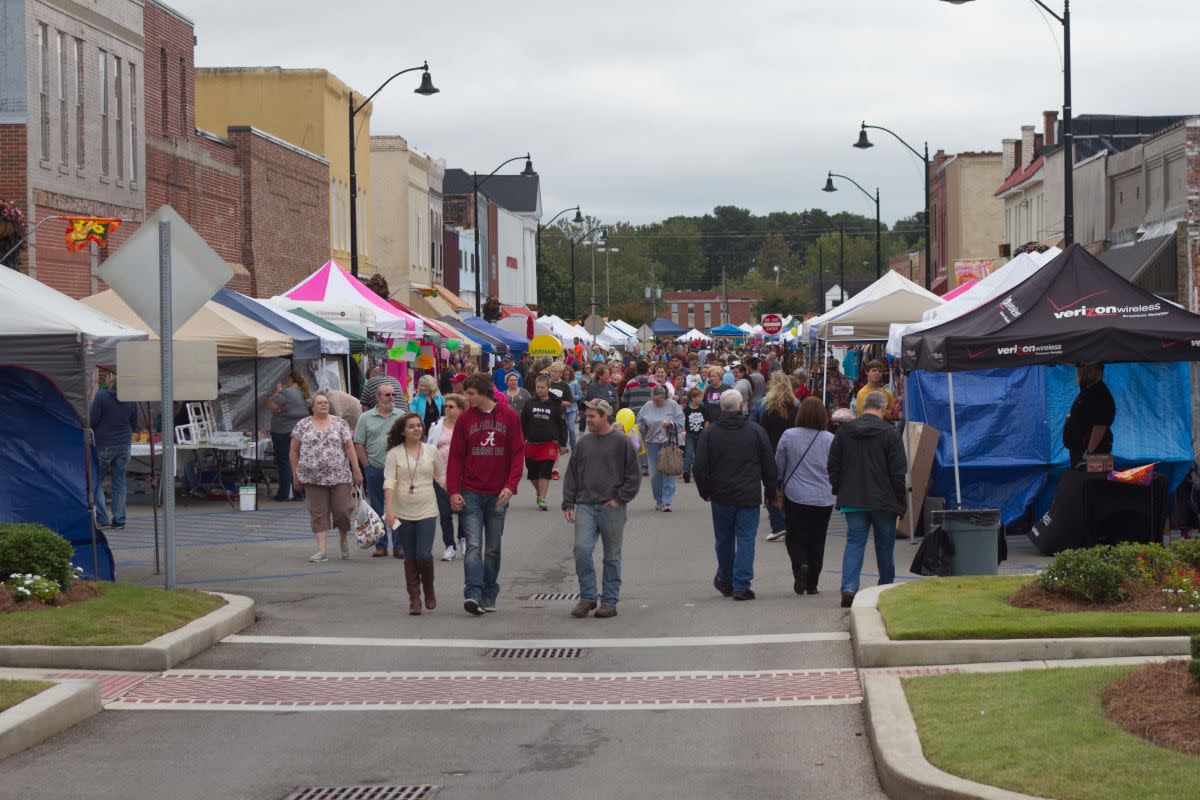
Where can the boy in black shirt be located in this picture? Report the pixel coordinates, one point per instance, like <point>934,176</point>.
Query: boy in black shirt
<point>695,417</point>
<point>1088,427</point>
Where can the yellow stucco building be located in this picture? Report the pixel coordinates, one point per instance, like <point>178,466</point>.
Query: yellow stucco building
<point>307,108</point>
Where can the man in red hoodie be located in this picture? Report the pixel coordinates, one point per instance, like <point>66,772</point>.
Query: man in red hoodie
<point>486,455</point>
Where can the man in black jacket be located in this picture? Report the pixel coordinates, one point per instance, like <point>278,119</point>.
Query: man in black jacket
<point>866,470</point>
<point>733,457</point>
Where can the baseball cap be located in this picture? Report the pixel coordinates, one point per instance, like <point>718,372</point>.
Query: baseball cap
<point>459,378</point>
<point>600,405</point>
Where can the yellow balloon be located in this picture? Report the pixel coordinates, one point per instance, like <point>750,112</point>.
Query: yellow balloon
<point>626,419</point>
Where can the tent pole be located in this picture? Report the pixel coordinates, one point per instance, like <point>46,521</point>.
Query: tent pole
<point>908,487</point>
<point>954,443</point>
<point>825,374</point>
<point>89,438</point>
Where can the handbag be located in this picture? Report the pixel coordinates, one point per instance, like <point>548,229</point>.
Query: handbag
<point>670,456</point>
<point>368,527</point>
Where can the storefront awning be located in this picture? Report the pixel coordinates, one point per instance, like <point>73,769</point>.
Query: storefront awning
<point>1132,261</point>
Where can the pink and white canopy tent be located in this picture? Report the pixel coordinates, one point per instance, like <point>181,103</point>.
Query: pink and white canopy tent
<point>333,284</point>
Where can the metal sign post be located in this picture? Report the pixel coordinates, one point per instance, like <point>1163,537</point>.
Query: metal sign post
<point>168,400</point>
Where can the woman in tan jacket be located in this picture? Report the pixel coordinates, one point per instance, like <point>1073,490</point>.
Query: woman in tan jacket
<point>410,502</point>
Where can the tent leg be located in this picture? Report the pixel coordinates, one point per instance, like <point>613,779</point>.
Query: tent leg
<point>908,480</point>
<point>88,438</point>
<point>825,373</point>
<point>954,443</point>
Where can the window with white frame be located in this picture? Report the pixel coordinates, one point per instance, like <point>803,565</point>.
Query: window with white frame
<point>43,47</point>
<point>63,138</point>
<point>133,123</point>
<point>80,151</point>
<point>119,116</point>
<point>102,82</point>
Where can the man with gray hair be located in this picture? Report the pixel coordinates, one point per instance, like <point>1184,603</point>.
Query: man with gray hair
<point>866,470</point>
<point>733,458</point>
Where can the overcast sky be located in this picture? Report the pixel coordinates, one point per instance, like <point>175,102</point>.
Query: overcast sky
<point>641,110</point>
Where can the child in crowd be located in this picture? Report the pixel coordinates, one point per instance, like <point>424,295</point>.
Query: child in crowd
<point>695,417</point>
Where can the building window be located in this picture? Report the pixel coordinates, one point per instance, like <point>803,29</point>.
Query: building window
<point>133,123</point>
<point>43,47</point>
<point>332,210</point>
<point>102,62</point>
<point>162,87</point>
<point>183,116</point>
<point>691,315</point>
<point>119,107</point>
<point>419,245</point>
<point>79,150</point>
<point>63,136</point>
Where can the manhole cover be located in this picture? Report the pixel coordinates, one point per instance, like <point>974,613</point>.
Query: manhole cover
<point>411,792</point>
<point>536,652</point>
<point>555,596</point>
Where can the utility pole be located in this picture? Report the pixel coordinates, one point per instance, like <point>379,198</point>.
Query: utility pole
<point>592,305</point>
<point>842,261</point>
<point>724,297</point>
<point>821,276</point>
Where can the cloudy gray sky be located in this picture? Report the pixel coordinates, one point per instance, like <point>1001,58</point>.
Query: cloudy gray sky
<point>641,110</point>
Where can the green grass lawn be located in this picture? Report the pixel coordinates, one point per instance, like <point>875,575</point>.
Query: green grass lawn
<point>1044,733</point>
<point>975,608</point>
<point>125,614</point>
<point>13,692</point>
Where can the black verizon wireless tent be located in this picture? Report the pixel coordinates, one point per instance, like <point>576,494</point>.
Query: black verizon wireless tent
<point>1073,310</point>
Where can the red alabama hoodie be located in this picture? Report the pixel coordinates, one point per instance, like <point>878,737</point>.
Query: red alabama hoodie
<point>486,452</point>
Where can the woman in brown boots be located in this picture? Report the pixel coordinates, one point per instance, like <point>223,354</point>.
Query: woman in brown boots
<point>411,506</point>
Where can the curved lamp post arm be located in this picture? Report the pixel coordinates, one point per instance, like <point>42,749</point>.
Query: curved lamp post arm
<point>492,174</point>
<point>361,105</point>
<point>915,152</point>
<point>856,183</point>
<point>550,221</point>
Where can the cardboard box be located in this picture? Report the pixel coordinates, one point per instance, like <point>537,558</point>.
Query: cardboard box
<point>920,446</point>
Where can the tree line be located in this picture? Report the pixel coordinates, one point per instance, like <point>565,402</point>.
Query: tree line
<point>694,252</point>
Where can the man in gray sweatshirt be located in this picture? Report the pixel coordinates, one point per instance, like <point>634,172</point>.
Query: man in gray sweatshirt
<point>602,477</point>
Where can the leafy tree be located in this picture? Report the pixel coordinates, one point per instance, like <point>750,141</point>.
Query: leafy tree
<point>379,285</point>
<point>783,301</point>
<point>634,312</point>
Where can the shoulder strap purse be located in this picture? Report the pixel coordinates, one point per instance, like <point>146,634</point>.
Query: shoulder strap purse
<point>801,461</point>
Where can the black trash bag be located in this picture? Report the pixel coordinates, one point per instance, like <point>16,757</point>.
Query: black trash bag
<point>934,554</point>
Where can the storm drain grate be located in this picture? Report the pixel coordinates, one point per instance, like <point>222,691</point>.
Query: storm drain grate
<point>555,596</point>
<point>411,792</point>
<point>536,652</point>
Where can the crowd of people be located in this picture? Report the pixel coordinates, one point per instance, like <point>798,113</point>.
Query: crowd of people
<point>748,432</point>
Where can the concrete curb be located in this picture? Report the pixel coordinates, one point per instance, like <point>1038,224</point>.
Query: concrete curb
<point>47,714</point>
<point>873,648</point>
<point>900,762</point>
<point>157,655</point>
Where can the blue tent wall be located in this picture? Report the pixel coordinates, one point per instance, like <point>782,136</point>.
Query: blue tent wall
<point>1010,428</point>
<point>43,465</point>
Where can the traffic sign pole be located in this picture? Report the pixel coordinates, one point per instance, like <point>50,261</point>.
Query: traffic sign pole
<point>168,401</point>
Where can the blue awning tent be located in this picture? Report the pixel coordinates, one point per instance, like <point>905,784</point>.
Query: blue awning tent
<point>305,344</point>
<point>1010,429</point>
<point>665,327</point>
<point>727,330</point>
<point>516,344</point>
<point>488,343</point>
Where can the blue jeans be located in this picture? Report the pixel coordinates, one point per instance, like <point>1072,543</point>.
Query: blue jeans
<point>858,525</point>
<point>661,486</point>
<point>690,442</point>
<point>594,521</point>
<point>373,478</point>
<point>282,443</point>
<point>482,524</point>
<point>446,513</point>
<point>113,460</point>
<point>416,537</point>
<point>735,528</point>
<point>777,517</point>
<point>571,413</point>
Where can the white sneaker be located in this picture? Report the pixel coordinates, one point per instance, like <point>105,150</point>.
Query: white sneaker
<point>450,553</point>
<point>776,536</point>
<point>462,548</point>
<point>318,558</point>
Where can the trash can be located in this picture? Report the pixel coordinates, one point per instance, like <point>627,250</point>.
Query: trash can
<point>976,536</point>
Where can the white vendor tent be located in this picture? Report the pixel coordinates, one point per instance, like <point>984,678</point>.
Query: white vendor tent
<point>333,284</point>
<point>695,335</point>
<point>987,288</point>
<point>867,316</point>
<point>613,336</point>
<point>333,344</point>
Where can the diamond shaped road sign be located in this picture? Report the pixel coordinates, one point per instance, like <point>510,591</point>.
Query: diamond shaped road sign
<point>197,272</point>
<point>594,324</point>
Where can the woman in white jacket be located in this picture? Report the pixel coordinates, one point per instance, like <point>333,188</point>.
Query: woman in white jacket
<point>439,436</point>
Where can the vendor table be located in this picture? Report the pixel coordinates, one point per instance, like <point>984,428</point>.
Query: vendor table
<point>228,461</point>
<point>1089,509</point>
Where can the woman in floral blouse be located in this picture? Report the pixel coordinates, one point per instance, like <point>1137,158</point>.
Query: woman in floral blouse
<point>323,465</point>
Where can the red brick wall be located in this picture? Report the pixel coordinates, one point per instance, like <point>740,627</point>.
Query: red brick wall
<point>286,212</point>
<point>70,273</point>
<point>165,31</point>
<point>14,174</point>
<point>452,260</point>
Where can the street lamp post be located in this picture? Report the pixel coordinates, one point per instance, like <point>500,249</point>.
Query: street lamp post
<point>475,184</point>
<point>426,88</point>
<point>575,242</point>
<point>604,248</point>
<point>1068,136</point>
<point>538,258</point>
<point>829,187</point>
<point>862,144</point>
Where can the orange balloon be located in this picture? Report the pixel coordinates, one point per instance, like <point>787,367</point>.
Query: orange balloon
<point>425,362</point>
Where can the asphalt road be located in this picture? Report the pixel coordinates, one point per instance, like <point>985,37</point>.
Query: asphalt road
<point>763,750</point>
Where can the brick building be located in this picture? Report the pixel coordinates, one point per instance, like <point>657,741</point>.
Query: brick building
<point>72,126</point>
<point>703,309</point>
<point>261,203</point>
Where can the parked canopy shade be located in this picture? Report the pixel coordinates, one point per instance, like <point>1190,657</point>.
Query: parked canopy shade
<point>305,344</point>
<point>358,343</point>
<point>1074,309</point>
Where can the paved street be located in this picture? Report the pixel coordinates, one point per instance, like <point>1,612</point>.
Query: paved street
<point>685,693</point>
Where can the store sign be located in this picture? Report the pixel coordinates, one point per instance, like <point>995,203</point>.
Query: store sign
<point>843,330</point>
<point>510,262</point>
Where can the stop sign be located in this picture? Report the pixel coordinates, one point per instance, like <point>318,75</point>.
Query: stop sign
<point>772,324</point>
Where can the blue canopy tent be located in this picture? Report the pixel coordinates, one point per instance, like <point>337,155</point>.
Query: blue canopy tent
<point>665,327</point>
<point>516,344</point>
<point>489,344</point>
<point>305,344</point>
<point>728,330</point>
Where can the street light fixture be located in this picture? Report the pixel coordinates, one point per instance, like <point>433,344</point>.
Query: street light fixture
<point>528,172</point>
<point>575,242</point>
<point>426,88</point>
<point>863,143</point>
<point>578,220</point>
<point>604,248</point>
<point>829,187</point>
<point>1068,136</point>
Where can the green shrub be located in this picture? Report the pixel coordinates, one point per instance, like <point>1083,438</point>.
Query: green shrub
<point>32,587</point>
<point>1187,552</point>
<point>1194,666</point>
<point>1091,574</point>
<point>36,550</point>
<point>1147,563</point>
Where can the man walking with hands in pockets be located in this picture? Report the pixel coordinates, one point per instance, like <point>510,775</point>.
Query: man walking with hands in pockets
<point>484,468</point>
<point>603,476</point>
